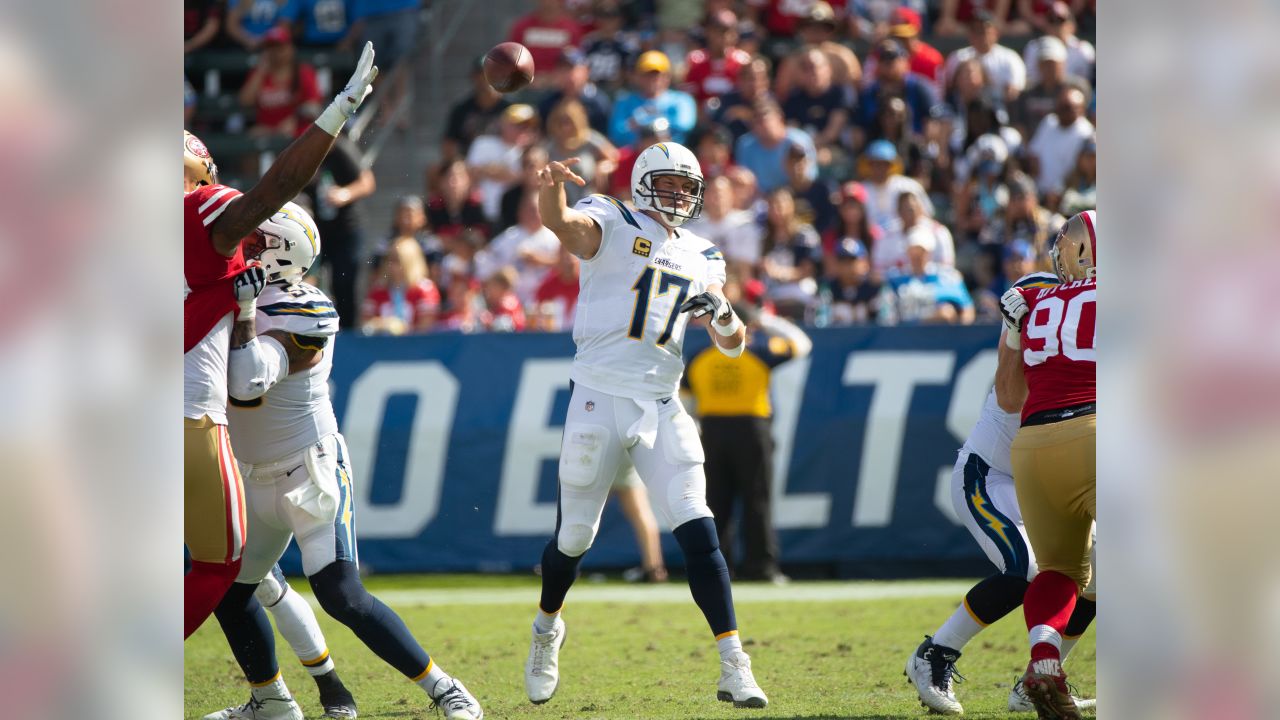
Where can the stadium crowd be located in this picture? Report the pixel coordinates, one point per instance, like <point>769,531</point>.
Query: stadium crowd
<point>854,173</point>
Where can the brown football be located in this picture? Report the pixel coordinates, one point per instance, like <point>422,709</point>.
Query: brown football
<point>508,67</point>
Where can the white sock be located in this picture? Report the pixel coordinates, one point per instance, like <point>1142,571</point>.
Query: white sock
<point>297,623</point>
<point>958,630</point>
<point>1045,634</point>
<point>1068,643</point>
<point>427,681</point>
<point>274,689</point>
<point>545,621</point>
<point>728,644</point>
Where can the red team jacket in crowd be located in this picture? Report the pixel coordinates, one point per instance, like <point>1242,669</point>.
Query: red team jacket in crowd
<point>1058,347</point>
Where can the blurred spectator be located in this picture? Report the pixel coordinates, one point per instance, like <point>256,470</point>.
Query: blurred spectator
<point>392,27</point>
<point>987,154</point>
<point>711,71</point>
<point>893,124</point>
<point>764,150</point>
<point>610,49</point>
<point>410,221</point>
<point>979,194</point>
<point>1052,152</point>
<point>494,160</point>
<point>812,195</point>
<point>792,257</point>
<point>852,221</point>
<point>526,246</point>
<point>201,23</point>
<point>1060,23</point>
<point>652,97</point>
<point>325,23</point>
<point>895,79</point>
<point>457,206</point>
<point>1024,218</point>
<point>401,299</point>
<point>714,148</point>
<point>816,105</point>
<point>248,21</point>
<point>891,252</point>
<point>817,30</point>
<point>922,58</point>
<point>1081,186</point>
<point>464,306</point>
<point>968,84</point>
<point>556,298</point>
<point>731,230</point>
<point>956,15</point>
<point>473,116</point>
<point>282,91</point>
<point>503,311</point>
<point>736,109</point>
<point>656,130</point>
<point>746,194</point>
<point>335,194</point>
<point>981,118</point>
<point>569,136</point>
<point>534,159</point>
<point>1041,97</point>
<point>1006,74</point>
<point>783,18</point>
<point>852,293</point>
<point>925,292</point>
<point>1017,259</point>
<point>573,82</point>
<point>884,181</point>
<point>545,31</point>
<point>190,100</point>
<point>736,422</point>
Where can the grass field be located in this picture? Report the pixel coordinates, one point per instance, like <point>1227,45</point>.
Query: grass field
<point>820,650</point>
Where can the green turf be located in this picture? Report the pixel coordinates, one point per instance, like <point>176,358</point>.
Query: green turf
<point>833,659</point>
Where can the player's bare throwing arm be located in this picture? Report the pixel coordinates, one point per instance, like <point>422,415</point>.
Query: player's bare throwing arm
<point>642,278</point>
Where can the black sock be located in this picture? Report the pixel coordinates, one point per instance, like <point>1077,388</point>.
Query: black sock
<point>995,597</point>
<point>708,573</point>
<point>1081,617</point>
<point>558,573</point>
<point>343,597</point>
<point>248,632</point>
<point>332,691</point>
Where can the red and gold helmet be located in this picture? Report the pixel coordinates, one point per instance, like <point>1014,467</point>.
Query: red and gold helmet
<point>1074,252</point>
<point>197,162</point>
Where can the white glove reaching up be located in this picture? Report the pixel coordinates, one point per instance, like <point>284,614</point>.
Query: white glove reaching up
<point>1013,308</point>
<point>247,286</point>
<point>349,99</point>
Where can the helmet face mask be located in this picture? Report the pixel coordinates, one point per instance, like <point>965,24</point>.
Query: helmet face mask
<point>678,163</point>
<point>287,244</point>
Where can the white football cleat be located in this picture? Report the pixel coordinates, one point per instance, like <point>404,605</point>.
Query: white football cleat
<point>267,708</point>
<point>542,668</point>
<point>1019,702</point>
<point>737,685</point>
<point>458,704</point>
<point>931,669</point>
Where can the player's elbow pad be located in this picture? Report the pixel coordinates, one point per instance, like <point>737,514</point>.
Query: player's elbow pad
<point>256,367</point>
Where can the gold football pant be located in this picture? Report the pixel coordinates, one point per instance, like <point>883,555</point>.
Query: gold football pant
<point>214,494</point>
<point>1054,470</point>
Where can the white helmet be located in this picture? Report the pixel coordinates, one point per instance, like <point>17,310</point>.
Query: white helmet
<point>286,243</point>
<point>667,158</point>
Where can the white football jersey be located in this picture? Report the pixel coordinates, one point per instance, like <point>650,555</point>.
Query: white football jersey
<point>628,327</point>
<point>296,411</point>
<point>993,436</point>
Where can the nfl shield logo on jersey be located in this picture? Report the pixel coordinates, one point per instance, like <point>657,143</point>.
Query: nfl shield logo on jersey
<point>591,405</point>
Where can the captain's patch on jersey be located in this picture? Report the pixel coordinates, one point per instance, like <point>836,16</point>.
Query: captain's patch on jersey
<point>641,247</point>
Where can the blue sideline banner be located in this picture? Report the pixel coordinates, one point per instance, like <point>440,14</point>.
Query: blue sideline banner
<point>454,442</point>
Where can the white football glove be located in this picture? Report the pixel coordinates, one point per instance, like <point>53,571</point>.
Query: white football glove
<point>349,99</point>
<point>1013,308</point>
<point>247,286</point>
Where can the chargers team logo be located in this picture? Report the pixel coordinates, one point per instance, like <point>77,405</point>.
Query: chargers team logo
<point>641,247</point>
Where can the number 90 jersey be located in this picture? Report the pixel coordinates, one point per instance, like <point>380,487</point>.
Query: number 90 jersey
<point>628,327</point>
<point>1059,350</point>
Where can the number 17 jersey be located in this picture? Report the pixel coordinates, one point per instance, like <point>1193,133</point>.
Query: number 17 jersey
<point>628,327</point>
<point>1058,346</point>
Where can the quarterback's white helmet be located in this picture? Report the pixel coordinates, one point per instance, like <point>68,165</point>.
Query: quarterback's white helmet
<point>286,244</point>
<point>667,158</point>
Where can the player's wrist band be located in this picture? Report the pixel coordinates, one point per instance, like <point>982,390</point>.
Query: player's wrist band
<point>731,328</point>
<point>332,119</point>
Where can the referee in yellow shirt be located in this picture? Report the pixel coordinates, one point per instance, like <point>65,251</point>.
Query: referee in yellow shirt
<point>732,398</point>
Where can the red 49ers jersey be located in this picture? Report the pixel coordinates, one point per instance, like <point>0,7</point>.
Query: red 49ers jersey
<point>1058,348</point>
<point>207,295</point>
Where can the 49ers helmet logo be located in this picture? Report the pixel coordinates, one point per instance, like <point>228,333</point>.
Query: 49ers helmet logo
<point>196,147</point>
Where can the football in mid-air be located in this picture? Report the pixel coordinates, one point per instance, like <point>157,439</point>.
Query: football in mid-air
<point>508,67</point>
